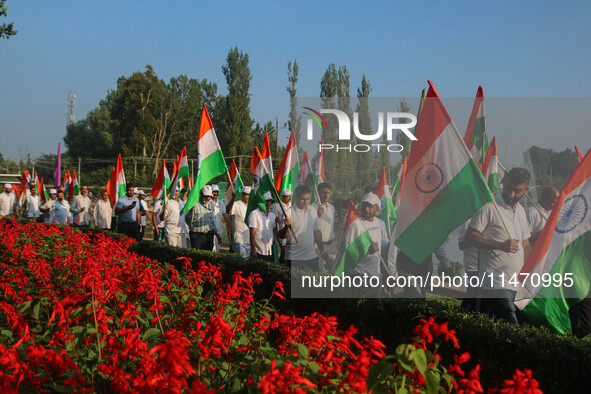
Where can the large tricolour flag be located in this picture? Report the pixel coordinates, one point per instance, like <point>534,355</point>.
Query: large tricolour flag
<point>445,185</point>
<point>266,154</point>
<point>490,169</point>
<point>289,167</point>
<point>117,185</point>
<point>236,183</point>
<point>562,251</point>
<point>355,244</point>
<point>476,138</point>
<point>210,159</point>
<point>388,214</point>
<point>162,183</point>
<point>74,187</point>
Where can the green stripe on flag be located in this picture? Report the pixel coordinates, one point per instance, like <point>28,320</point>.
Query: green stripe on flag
<point>479,136</point>
<point>353,254</point>
<point>550,306</point>
<point>452,206</point>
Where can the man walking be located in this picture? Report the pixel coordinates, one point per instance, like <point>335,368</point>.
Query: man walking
<point>201,222</point>
<point>127,208</point>
<point>80,208</point>
<point>238,228</point>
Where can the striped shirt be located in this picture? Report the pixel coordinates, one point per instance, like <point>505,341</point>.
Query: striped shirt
<point>200,219</point>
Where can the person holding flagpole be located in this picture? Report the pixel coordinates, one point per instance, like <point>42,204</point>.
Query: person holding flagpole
<point>238,228</point>
<point>500,231</point>
<point>80,208</point>
<point>201,222</point>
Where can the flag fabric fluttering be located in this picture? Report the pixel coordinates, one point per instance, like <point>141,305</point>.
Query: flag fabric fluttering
<point>490,169</point>
<point>42,190</point>
<point>117,185</point>
<point>383,192</point>
<point>305,176</point>
<point>57,175</point>
<point>67,181</point>
<point>354,245</point>
<point>476,138</point>
<point>289,167</point>
<point>266,155</point>
<point>74,188</point>
<point>162,183</point>
<point>446,187</point>
<point>210,159</point>
<point>174,182</point>
<point>261,184</point>
<point>562,250</point>
<point>183,164</point>
<point>21,193</point>
<point>236,183</point>
<point>579,154</point>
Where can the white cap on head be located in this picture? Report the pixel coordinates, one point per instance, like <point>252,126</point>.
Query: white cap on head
<point>286,193</point>
<point>8,185</point>
<point>141,192</point>
<point>206,191</point>
<point>246,190</point>
<point>136,190</point>
<point>371,199</point>
<point>215,188</point>
<point>269,196</point>
<point>52,191</point>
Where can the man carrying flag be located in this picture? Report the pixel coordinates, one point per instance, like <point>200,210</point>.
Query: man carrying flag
<point>210,161</point>
<point>501,233</point>
<point>128,208</point>
<point>261,184</point>
<point>289,168</point>
<point>80,208</point>
<point>562,254</point>
<point>159,192</point>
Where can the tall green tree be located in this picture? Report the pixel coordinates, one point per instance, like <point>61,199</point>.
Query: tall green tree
<point>363,159</point>
<point>235,136</point>
<point>401,138</point>
<point>295,121</point>
<point>6,30</point>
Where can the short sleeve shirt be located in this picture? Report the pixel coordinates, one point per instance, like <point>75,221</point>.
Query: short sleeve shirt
<point>497,262</point>
<point>326,221</point>
<point>131,215</point>
<point>303,225</point>
<point>241,234</point>
<point>173,224</point>
<point>537,221</point>
<point>7,202</point>
<point>264,226</point>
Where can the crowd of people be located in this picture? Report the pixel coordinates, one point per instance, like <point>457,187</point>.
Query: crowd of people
<point>298,233</point>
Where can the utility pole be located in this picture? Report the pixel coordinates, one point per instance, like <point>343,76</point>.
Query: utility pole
<point>70,108</point>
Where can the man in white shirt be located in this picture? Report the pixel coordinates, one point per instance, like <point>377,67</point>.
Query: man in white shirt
<point>219,208</point>
<point>302,231</point>
<point>103,212</point>
<point>325,212</point>
<point>33,204</point>
<point>171,213</point>
<point>80,208</point>
<point>158,225</point>
<point>238,228</point>
<point>141,196</point>
<point>7,201</point>
<point>60,210</point>
<point>500,231</point>
<point>538,213</point>
<point>46,207</point>
<point>369,209</point>
<point>263,225</point>
<point>185,240</point>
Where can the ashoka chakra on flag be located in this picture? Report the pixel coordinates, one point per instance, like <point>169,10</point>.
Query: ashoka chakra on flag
<point>573,212</point>
<point>429,178</point>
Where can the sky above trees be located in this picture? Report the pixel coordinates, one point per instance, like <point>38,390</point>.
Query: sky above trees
<point>512,49</point>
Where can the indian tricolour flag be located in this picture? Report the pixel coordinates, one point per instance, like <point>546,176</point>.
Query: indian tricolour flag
<point>162,183</point>
<point>262,183</point>
<point>445,185</point>
<point>74,187</point>
<point>355,244</point>
<point>266,155</point>
<point>305,176</point>
<point>562,253</point>
<point>117,185</point>
<point>476,138</point>
<point>388,214</point>
<point>289,167</point>
<point>490,169</point>
<point>235,183</point>
<point>183,164</point>
<point>210,160</point>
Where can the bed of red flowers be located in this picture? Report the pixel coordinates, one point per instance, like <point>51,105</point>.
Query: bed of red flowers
<point>79,313</point>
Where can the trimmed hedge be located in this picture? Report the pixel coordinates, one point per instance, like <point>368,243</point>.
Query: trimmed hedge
<point>560,362</point>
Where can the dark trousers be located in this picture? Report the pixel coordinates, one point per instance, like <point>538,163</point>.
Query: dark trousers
<point>131,229</point>
<point>499,303</point>
<point>263,257</point>
<point>203,241</point>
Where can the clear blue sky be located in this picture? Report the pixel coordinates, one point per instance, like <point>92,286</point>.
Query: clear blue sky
<point>512,49</point>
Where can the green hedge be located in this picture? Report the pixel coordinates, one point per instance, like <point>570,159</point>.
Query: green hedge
<point>560,362</point>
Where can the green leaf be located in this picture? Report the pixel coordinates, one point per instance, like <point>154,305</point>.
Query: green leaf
<point>151,333</point>
<point>302,350</point>
<point>76,330</point>
<point>164,299</point>
<point>420,359</point>
<point>36,310</point>
<point>24,306</point>
<point>6,333</point>
<point>379,373</point>
<point>433,381</point>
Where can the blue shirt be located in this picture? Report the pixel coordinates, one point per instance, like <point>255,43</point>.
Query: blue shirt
<point>131,215</point>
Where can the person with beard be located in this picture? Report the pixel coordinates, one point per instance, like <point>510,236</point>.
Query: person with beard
<point>500,231</point>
